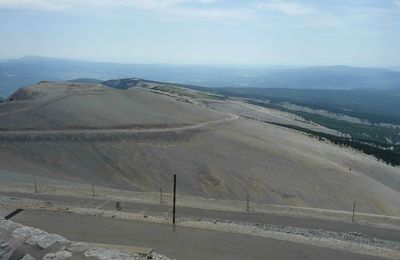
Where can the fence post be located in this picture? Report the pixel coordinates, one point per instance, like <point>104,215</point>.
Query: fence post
<point>248,203</point>
<point>174,201</point>
<point>93,190</point>
<point>160,195</point>
<point>354,211</point>
<point>35,186</point>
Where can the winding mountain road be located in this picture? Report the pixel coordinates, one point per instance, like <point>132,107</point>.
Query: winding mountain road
<point>95,134</point>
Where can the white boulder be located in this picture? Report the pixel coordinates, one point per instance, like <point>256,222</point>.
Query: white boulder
<point>7,225</point>
<point>108,254</point>
<point>60,255</point>
<point>45,240</point>
<point>27,232</point>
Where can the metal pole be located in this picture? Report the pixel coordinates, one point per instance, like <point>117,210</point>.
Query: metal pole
<point>354,211</point>
<point>173,209</point>
<point>160,195</point>
<point>248,206</point>
<point>35,186</point>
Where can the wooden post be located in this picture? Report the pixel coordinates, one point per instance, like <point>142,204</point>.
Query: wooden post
<point>93,190</point>
<point>35,186</point>
<point>174,201</point>
<point>160,195</point>
<point>248,202</point>
<point>354,211</point>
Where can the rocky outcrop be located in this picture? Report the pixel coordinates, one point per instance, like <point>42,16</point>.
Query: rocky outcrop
<point>46,240</point>
<point>27,243</point>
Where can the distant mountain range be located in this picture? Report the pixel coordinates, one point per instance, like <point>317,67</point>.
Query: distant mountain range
<point>16,73</point>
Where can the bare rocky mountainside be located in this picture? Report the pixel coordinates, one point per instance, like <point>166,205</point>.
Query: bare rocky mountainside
<point>135,135</point>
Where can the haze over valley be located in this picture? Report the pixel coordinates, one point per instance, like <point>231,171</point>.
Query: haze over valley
<point>28,70</point>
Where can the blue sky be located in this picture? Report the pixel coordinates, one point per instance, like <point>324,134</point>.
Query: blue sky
<point>219,32</point>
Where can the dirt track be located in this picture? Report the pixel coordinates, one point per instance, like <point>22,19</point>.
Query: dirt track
<point>96,134</point>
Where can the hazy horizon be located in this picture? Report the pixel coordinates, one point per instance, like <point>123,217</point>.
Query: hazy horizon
<point>220,65</point>
<point>205,32</point>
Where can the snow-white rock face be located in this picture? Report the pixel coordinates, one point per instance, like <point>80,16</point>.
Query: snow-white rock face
<point>21,242</point>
